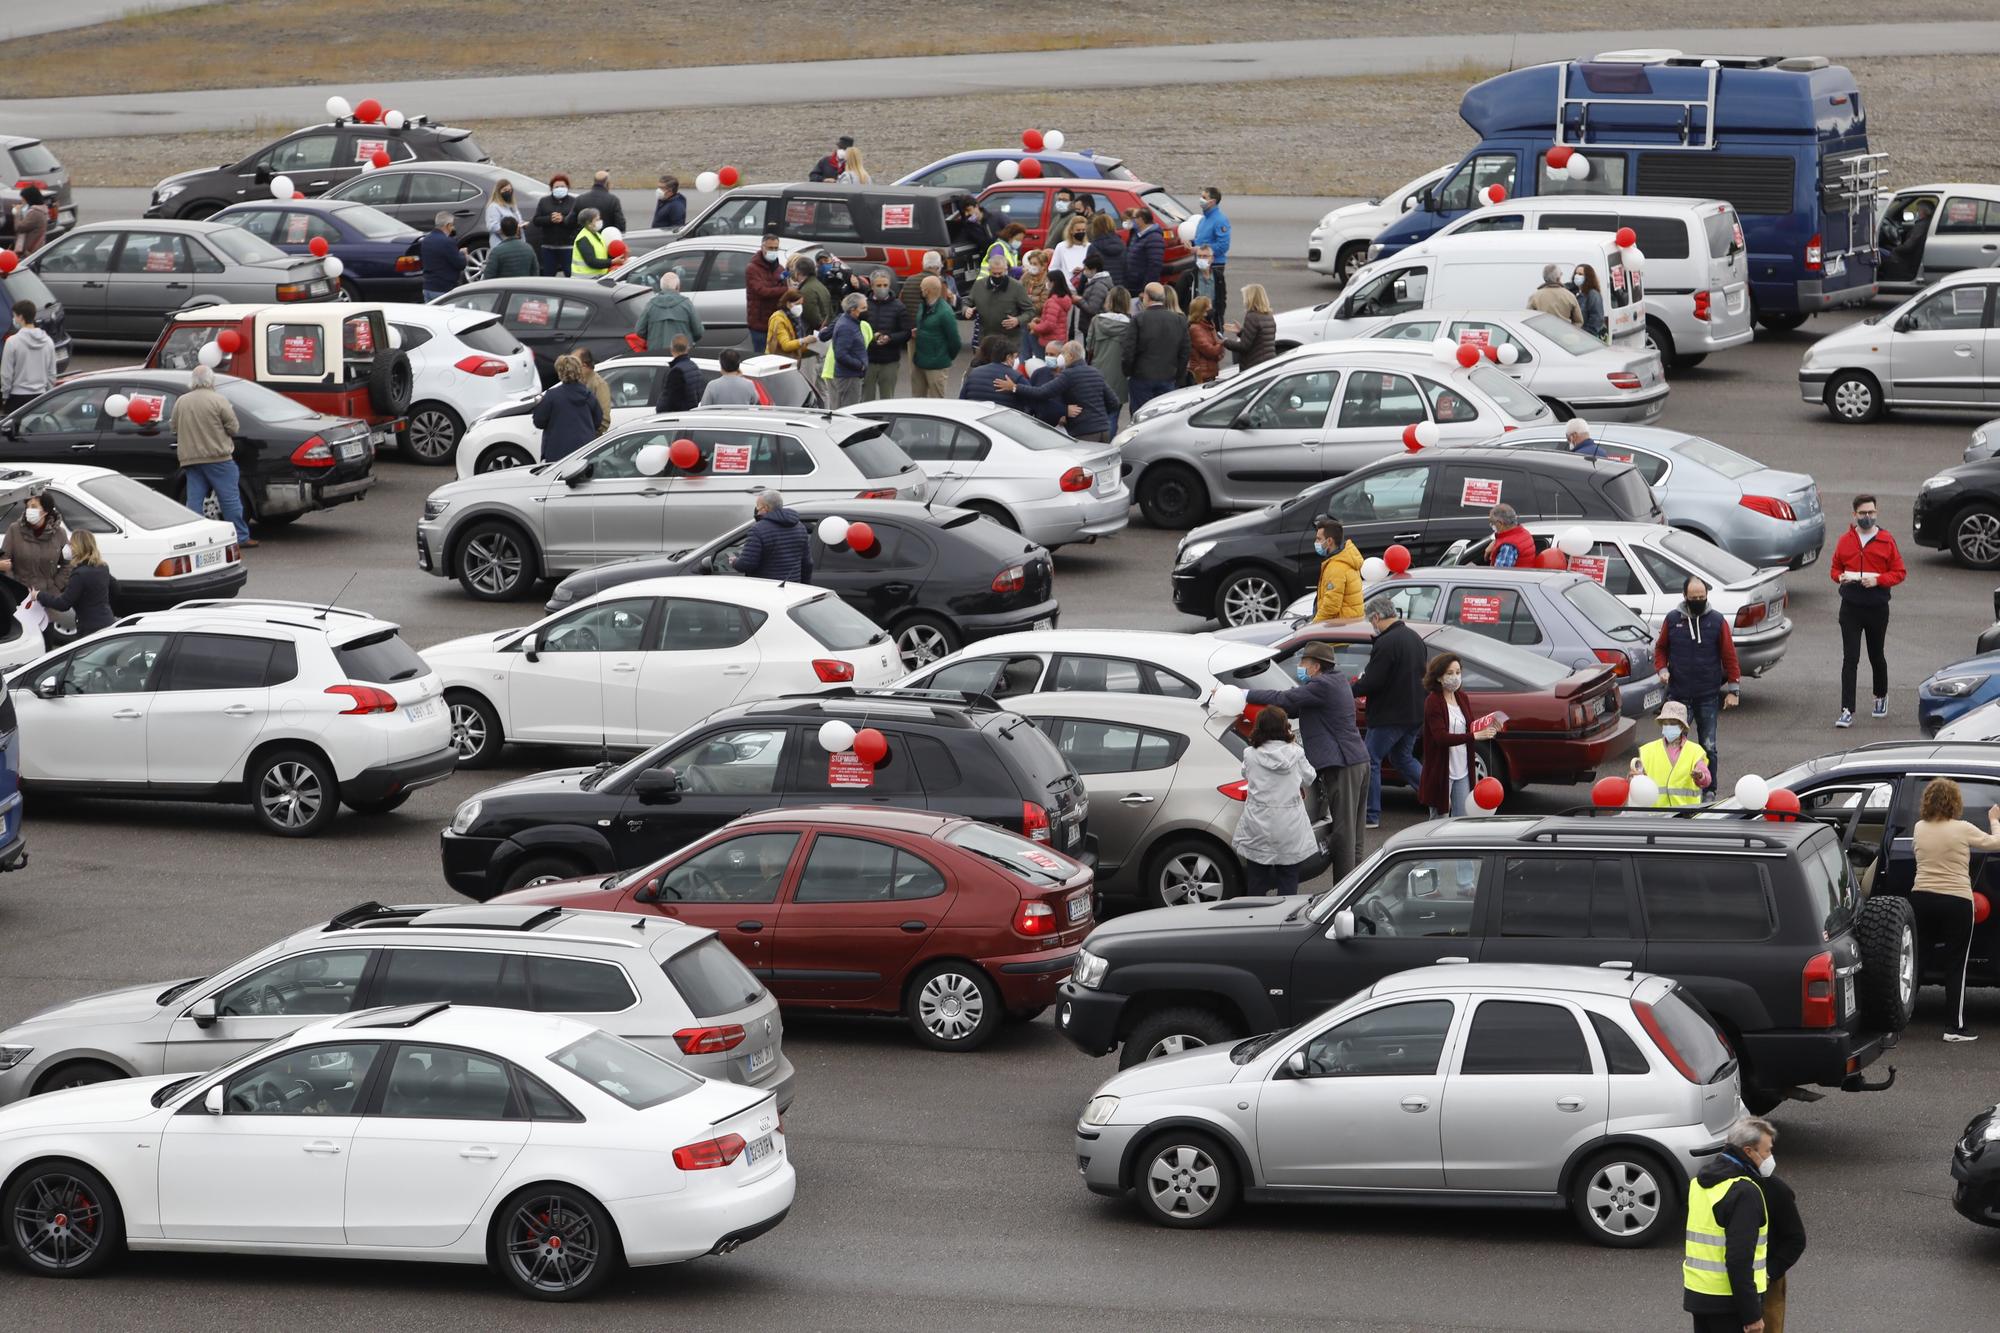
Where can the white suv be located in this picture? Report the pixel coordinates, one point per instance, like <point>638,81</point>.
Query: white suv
<point>464,364</point>
<point>292,707</point>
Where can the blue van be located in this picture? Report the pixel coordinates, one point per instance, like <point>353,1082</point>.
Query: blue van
<point>13,843</point>
<point>1782,139</point>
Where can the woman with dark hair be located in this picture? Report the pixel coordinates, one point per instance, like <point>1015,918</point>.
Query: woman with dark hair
<point>1589,299</point>
<point>1274,832</point>
<point>1446,785</point>
<point>1942,890</point>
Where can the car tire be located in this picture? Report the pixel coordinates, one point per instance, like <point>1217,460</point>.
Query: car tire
<point>1886,990</point>
<point>199,210</point>
<point>1689,360</point>
<point>1784,323</point>
<point>1625,1198</point>
<point>1854,398</point>
<point>433,435</point>
<point>1170,1031</point>
<point>542,870</point>
<point>391,382</point>
<point>475,729</point>
<point>476,251</point>
<point>293,792</point>
<point>1185,1179</point>
<point>924,639</point>
<point>503,456</point>
<point>517,1243</point>
<point>1172,496</point>
<point>1975,536</point>
<point>994,512</point>
<point>1250,596</point>
<point>1349,261</point>
<point>78,1074</point>
<point>953,1006</point>
<point>495,562</point>
<point>1187,871</point>
<point>1661,340</point>
<point>55,1205</point>
<point>379,806</point>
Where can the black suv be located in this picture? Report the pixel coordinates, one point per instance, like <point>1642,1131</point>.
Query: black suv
<point>316,159</point>
<point>947,752</point>
<point>1235,569</point>
<point>1760,921</point>
<point>1958,510</point>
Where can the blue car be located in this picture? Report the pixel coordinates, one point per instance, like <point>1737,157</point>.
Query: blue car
<point>1957,689</point>
<point>378,253</point>
<point>13,843</point>
<point>978,168</point>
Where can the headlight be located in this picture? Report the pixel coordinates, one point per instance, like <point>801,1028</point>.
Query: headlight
<point>13,1055</point>
<point>467,816</point>
<point>1124,437</point>
<point>1957,687</point>
<point>166,192</point>
<point>1992,1126</point>
<point>1189,554</point>
<point>1979,438</point>
<point>1374,251</point>
<point>1101,1109</point>
<point>434,508</point>
<point>563,595</point>
<point>1936,483</point>
<point>1089,970</point>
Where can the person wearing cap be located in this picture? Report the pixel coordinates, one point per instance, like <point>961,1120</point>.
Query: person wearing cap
<point>1393,684</point>
<point>1675,762</point>
<point>829,167</point>
<point>1323,703</point>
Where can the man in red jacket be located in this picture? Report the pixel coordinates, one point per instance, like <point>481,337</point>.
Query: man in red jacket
<point>1512,544</point>
<point>1866,564</point>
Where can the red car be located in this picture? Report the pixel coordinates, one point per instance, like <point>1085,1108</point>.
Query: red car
<point>1562,725</point>
<point>1030,203</point>
<point>951,923</point>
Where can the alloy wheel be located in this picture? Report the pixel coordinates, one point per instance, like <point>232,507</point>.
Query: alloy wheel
<point>921,645</point>
<point>475,262</point>
<point>950,1006</point>
<point>1183,1181</point>
<point>1251,601</point>
<point>1351,263</point>
<point>1191,877</point>
<point>1906,971</point>
<point>1623,1198</point>
<point>57,1224</point>
<point>552,1245</point>
<point>468,730</point>
<point>1173,1044</point>
<point>499,460</point>
<point>1978,538</point>
<point>290,794</point>
<point>433,434</point>
<point>1854,400</point>
<point>493,563</point>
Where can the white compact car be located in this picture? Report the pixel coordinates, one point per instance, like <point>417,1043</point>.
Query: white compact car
<point>160,552</point>
<point>465,364</point>
<point>1574,373</point>
<point>1181,666</point>
<point>538,1145</point>
<point>1338,246</point>
<point>637,664</point>
<point>294,708</point>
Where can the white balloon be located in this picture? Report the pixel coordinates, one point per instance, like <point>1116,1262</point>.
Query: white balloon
<point>1752,792</point>
<point>1578,168</point>
<point>1575,541</point>
<point>281,187</point>
<point>1053,140</point>
<point>338,109</point>
<point>116,405</point>
<point>1508,354</point>
<point>1444,349</point>
<point>1188,228</point>
<point>334,268</point>
<point>652,460</point>
<point>833,530</point>
<point>1427,434</point>
<point>1229,700</point>
<point>1374,569</point>
<point>1643,794</point>
<point>394,120</point>
<point>395,336</point>
<point>210,355</point>
<point>1008,169</point>
<point>1635,258</point>
<point>835,736</point>
<point>708,182</point>
<point>611,234</point>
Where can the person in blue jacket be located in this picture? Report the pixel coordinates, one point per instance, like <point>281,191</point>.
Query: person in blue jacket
<point>1213,232</point>
<point>567,413</point>
<point>444,262</point>
<point>848,351</point>
<point>990,369</point>
<point>777,547</point>
<point>671,208</point>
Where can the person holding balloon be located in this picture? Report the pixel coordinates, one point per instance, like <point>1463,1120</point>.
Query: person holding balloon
<point>205,429</point>
<point>1942,893</point>
<point>1274,830</point>
<point>1674,763</point>
<point>1446,786</point>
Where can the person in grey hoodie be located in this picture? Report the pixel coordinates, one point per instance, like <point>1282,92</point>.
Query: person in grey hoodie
<point>28,365</point>
<point>1274,832</point>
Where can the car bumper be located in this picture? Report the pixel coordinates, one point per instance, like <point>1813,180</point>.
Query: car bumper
<point>468,863</point>
<point>974,628</point>
<point>430,550</point>
<point>1194,592</point>
<point>1089,1018</point>
<point>1934,710</point>
<point>1030,980</point>
<point>1641,698</point>
<point>1977,1194</point>
<point>1808,297</point>
<point>1826,1059</point>
<point>670,1228</point>
<point>1565,759</point>
<point>159,594</point>
<point>1812,385</point>
<point>1630,409</point>
<point>299,497</point>
<point>386,780</point>
<point>1066,519</point>
<point>1759,652</point>
<point>1101,1151</point>
<point>1771,541</point>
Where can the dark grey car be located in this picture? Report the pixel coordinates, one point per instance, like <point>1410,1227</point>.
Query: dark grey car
<point>29,162</point>
<point>416,192</point>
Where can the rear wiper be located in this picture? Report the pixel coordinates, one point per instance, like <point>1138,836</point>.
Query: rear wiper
<point>408,674</point>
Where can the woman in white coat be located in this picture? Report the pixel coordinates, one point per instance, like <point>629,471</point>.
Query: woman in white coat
<point>1274,832</point>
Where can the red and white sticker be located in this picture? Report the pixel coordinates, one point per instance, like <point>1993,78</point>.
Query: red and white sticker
<point>1617,277</point>
<point>532,312</point>
<point>1479,608</point>
<point>848,769</point>
<point>360,336</point>
<point>1593,565</point>
<point>1480,492</point>
<point>799,213</point>
<point>898,216</point>
<point>730,458</point>
<point>365,149</point>
<point>159,261</point>
<point>156,401</point>
<point>299,348</point>
<point>1475,337</point>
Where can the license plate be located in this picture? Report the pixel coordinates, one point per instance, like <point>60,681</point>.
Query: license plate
<point>1653,698</point>
<point>421,709</point>
<point>351,449</point>
<point>760,1060</point>
<point>1847,994</point>
<point>1045,623</point>
<point>1736,303</point>
<point>1079,907</point>
<point>203,559</point>
<point>759,1149</point>
<point>1836,265</point>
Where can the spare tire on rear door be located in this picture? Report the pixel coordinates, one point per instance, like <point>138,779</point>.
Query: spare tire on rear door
<point>1886,990</point>
<point>391,382</point>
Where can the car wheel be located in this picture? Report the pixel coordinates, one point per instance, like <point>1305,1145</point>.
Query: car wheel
<point>501,457</point>
<point>994,512</point>
<point>475,729</point>
<point>922,640</point>
<point>391,382</point>
<point>538,870</point>
<point>1661,341</point>
<point>1624,1198</point>
<point>1782,323</point>
<point>1185,1179</point>
<point>1886,990</point>
<point>1249,597</point>
<point>78,1074</point>
<point>495,562</point>
<point>1171,1031</point>
<point>199,211</point>
<point>62,1220</point>
<point>1854,398</point>
<point>345,290</point>
<point>1191,870</point>
<point>1689,360</point>
<point>294,793</point>
<point>554,1243</point>
<point>953,1007</point>
<point>1352,256</point>
<point>380,806</point>
<point>475,259</point>
<point>1975,536</point>
<point>1172,497</point>
<point>434,434</point>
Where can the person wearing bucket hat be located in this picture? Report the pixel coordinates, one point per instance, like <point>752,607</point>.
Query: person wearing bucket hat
<point>1677,765</point>
<point>1323,704</point>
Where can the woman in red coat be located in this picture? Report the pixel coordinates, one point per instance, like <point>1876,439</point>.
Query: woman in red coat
<point>1446,785</point>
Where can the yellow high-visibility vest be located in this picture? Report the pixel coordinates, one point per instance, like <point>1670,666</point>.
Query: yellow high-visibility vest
<point>590,257</point>
<point>1705,1269</point>
<point>1675,778</point>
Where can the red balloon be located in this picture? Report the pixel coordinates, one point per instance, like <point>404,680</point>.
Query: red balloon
<point>1486,793</point>
<point>636,343</point>
<point>860,538</point>
<point>1397,558</point>
<point>9,261</point>
<point>140,410</point>
<point>298,194</point>
<point>684,454</point>
<point>1492,353</point>
<point>1468,355</point>
<point>1031,140</point>
<point>380,157</point>
<point>1497,193</point>
<point>1982,907</point>
<point>729,176</point>
<point>1626,236</point>
<point>230,341</point>
<point>1560,155</point>
<point>1552,559</point>
<point>870,745</point>
<point>1782,805</point>
<point>617,249</point>
<point>1610,791</point>
<point>318,246</point>
<point>1410,440</point>
<point>368,111</point>
<point>1030,169</point>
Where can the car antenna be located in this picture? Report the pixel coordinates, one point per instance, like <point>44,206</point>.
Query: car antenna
<point>335,599</point>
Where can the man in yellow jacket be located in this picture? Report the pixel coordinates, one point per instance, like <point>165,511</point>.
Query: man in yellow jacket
<point>1677,765</point>
<point>1339,572</point>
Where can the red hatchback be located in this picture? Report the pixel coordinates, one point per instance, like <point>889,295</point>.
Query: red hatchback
<point>1032,204</point>
<point>951,923</point>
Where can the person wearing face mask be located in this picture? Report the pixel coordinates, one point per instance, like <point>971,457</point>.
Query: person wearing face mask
<point>599,196</point>
<point>670,206</point>
<point>1323,702</point>
<point>936,343</point>
<point>1589,300</point>
<point>819,298</point>
<point>500,206</point>
<point>1145,252</point>
<point>32,548</point>
<point>1726,1269</point>
<point>511,257</point>
<point>1107,242</point>
<point>1677,765</point>
<point>669,315</point>
<point>555,227</point>
<point>889,319</point>
<point>1212,234</point>
<point>1000,306</point>
<point>89,592</point>
<point>1273,833</point>
<point>1393,685</point>
<point>1201,280</point>
<point>1067,256</point>
<point>1866,564</point>
<point>1339,596</point>
<point>1696,655</point>
<point>764,288</point>
<point>787,334</point>
<point>590,257</point>
<point>443,261</point>
<point>1448,738</point>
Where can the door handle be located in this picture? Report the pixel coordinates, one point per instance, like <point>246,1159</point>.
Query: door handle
<point>237,710</point>
<point>736,671</point>
<point>321,1146</point>
<point>1406,537</point>
<point>1413,1104</point>
<point>93,284</point>
<point>176,285</point>
<point>749,927</point>
<point>1569,1103</point>
<point>87,444</point>
<point>128,715</point>
<point>623,666</point>
<point>478,1154</point>
<point>652,492</point>
<point>1135,798</point>
<point>1962,350</point>
<point>912,927</point>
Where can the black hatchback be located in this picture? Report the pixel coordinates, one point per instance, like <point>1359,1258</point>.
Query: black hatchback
<point>314,159</point>
<point>936,578</point>
<point>555,316</point>
<point>1427,502</point>
<point>946,753</point>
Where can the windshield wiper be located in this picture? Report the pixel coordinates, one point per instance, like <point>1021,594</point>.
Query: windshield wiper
<point>608,880</point>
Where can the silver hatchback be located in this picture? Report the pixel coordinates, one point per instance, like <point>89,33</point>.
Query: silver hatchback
<point>1511,1084</point>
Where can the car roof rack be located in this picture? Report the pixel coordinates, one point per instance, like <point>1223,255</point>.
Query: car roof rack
<point>485,916</point>
<point>371,910</point>
<point>1682,816</point>
<point>970,698</point>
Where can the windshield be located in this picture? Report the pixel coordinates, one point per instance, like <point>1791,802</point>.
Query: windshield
<point>264,404</point>
<point>461,148</point>
<point>372,223</point>
<point>1707,557</point>
<point>1243,1052</point>
<point>244,248</point>
<point>1027,431</point>
<point>141,504</point>
<point>35,159</point>
<point>1165,206</point>
<point>1505,390</point>
<point>24,285</point>
<point>836,625</point>
<point>874,455</point>
<point>1564,334</point>
<point>1712,455</point>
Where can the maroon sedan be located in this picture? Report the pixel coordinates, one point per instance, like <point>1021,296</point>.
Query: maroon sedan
<point>1562,725</point>
<point>951,923</point>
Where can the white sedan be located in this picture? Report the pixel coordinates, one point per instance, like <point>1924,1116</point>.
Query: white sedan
<point>538,1145</point>
<point>639,663</point>
<point>1180,666</point>
<point>465,364</point>
<point>1574,373</point>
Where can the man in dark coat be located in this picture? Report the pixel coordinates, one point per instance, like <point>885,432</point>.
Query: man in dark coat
<point>1088,405</point>
<point>1323,704</point>
<point>1146,254</point>
<point>1697,655</point>
<point>443,261</point>
<point>778,546</point>
<point>889,319</point>
<point>670,209</point>
<point>681,387</point>
<point>829,167</point>
<point>1726,1265</point>
<point>1157,351</point>
<point>599,197</point>
<point>1393,685</point>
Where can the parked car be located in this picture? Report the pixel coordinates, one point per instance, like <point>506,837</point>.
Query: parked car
<point>1338,246</point>
<point>925,579</point>
<point>291,708</point>
<point>638,665</point>
<point>1759,922</point>
<point>1958,510</point>
<point>1976,1196</point>
<point>712,270</point>
<point>30,162</point>
<point>1240,570</point>
<point>378,253</point>
<point>863,226</point>
<point>555,316</point>
<point>1954,690</point>
<point>1014,468</point>
<point>1929,352</point>
<point>672,989</point>
<point>976,168</point>
<point>415,193</point>
<point>50,318</point>
<point>1985,442</point>
<point>316,159</point>
<point>1270,432</point>
<point>953,925</point>
<point>159,553</point>
<point>1574,373</point>
<point>1032,204</point>
<point>1933,231</point>
<point>1500,1084</point>
<point>498,533</point>
<point>463,365</point>
<point>953,756</point>
<point>1179,666</point>
<point>505,435</point>
<point>121,281</point>
<point>1981,723</point>
<point>293,461</point>
<point>172,1163</point>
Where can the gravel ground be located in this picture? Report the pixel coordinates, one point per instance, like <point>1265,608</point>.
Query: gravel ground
<point>1331,137</point>
<point>260,43</point>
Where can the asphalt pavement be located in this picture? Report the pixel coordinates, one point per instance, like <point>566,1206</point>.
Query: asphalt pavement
<point>941,1191</point>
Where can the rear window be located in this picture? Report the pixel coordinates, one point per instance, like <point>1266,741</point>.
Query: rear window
<point>1831,886</point>
<point>380,659</point>
<point>1505,390</point>
<point>1029,432</point>
<point>619,1069</point>
<point>1633,498</point>
<point>260,403</point>
<point>141,504</point>
<point>461,148</point>
<point>1712,455</point>
<point>876,455</point>
<point>1693,1035</point>
<point>1564,334</point>
<point>372,224</point>
<point>1518,664</point>
<point>242,247</point>
<point>35,159</point>
<point>1165,206</point>
<point>26,285</point>
<point>836,624</point>
<point>1709,558</point>
<point>1706,898</point>
<point>1034,757</point>
<point>1606,612</point>
<point>1660,237</point>
<point>490,337</point>
<point>1725,234</point>
<point>1026,860</point>
<point>710,979</point>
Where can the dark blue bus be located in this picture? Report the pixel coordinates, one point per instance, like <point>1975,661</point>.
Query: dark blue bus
<point>1783,139</point>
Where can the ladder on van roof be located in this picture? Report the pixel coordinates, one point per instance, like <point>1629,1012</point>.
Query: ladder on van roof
<point>1688,107</point>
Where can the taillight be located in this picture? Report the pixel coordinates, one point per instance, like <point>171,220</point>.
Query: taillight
<point>1623,379</point>
<point>708,1041</point>
<point>408,264</point>
<point>884,493</point>
<point>294,291</point>
<point>233,554</point>
<point>1702,301</point>
<point>1076,479</point>
<point>315,452</point>
<point>367,699</point>
<point>1036,918</point>
<point>1579,717</point>
<point>832,670</point>
<point>1035,821</point>
<point>1753,614</point>
<point>1238,790</point>
<point>1644,1013</point>
<point>1011,579</point>
<point>1621,666</point>
<point>763,394</point>
<point>485,367</point>
<point>1817,1008</point>
<point>1813,253</point>
<point>1769,504</point>
<point>172,565</point>
<point>709,1153</point>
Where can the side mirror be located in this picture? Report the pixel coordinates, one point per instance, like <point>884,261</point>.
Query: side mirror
<point>657,786</point>
<point>262,175</point>
<point>1455,555</point>
<point>1295,1063</point>
<point>10,428</point>
<point>531,643</point>
<point>580,476</point>
<point>49,687</point>
<point>1343,924</point>
<point>203,1013</point>
<point>211,1100</point>
<point>649,892</point>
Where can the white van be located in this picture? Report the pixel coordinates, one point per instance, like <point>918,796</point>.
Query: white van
<point>1697,272</point>
<point>1497,272</point>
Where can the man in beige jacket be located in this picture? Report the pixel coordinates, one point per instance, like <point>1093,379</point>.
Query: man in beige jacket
<point>205,428</point>
<point>1552,298</point>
